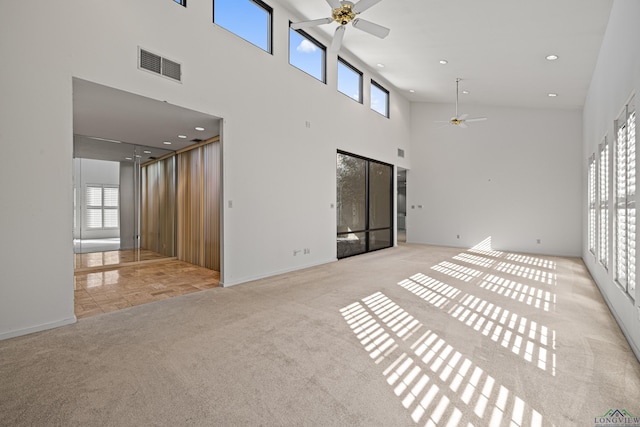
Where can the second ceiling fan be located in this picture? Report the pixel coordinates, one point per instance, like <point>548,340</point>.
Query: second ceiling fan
<point>461,120</point>
<point>344,12</point>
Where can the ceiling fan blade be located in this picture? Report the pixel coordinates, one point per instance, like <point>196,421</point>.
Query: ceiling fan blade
<point>337,39</point>
<point>463,125</point>
<point>477,119</point>
<point>335,4</point>
<point>371,28</point>
<point>312,23</point>
<point>363,5</point>
<point>462,116</point>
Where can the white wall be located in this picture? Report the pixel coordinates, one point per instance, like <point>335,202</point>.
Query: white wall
<point>514,178</point>
<point>616,78</point>
<point>279,174</point>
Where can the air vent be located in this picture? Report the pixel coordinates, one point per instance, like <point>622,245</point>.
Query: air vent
<point>195,140</point>
<point>400,152</point>
<point>159,65</point>
<point>171,69</point>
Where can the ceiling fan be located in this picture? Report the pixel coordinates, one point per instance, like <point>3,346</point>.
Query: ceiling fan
<point>344,12</point>
<point>461,120</point>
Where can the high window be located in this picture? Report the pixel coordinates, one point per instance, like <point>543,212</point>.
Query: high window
<point>102,206</point>
<point>349,80</point>
<point>591,183</point>
<point>182,2</point>
<point>625,228</point>
<point>603,204</point>
<point>379,99</point>
<point>249,19</point>
<point>307,54</point>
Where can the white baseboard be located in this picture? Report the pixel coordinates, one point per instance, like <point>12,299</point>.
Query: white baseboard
<point>38,328</point>
<point>229,283</point>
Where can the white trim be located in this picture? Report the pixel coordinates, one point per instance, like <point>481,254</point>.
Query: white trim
<point>274,273</point>
<point>38,328</point>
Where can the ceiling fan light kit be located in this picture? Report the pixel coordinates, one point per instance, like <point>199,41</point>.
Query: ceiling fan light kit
<point>343,13</point>
<point>461,120</point>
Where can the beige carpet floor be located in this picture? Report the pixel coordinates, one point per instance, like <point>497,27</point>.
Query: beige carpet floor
<point>413,335</point>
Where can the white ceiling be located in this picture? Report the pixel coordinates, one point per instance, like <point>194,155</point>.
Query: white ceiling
<point>103,113</point>
<point>498,47</point>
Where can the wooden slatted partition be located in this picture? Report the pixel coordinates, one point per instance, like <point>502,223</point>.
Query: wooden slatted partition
<point>181,204</point>
<point>198,205</point>
<point>158,206</point>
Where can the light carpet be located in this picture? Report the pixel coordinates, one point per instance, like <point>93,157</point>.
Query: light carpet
<point>413,335</point>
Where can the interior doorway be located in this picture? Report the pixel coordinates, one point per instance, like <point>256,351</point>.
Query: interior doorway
<point>401,180</point>
<point>136,235</point>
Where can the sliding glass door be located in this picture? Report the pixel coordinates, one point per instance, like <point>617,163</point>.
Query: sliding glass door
<point>364,205</point>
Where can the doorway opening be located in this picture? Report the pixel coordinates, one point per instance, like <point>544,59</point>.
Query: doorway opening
<point>147,190</point>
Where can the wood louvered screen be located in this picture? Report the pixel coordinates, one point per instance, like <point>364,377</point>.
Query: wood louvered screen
<point>158,206</point>
<point>198,206</point>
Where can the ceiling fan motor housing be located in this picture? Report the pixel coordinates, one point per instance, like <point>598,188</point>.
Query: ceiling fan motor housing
<point>345,14</point>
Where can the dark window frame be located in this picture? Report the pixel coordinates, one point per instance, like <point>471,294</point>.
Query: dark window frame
<point>181,2</point>
<point>367,228</point>
<point>318,44</point>
<point>387,109</point>
<point>355,70</point>
<point>267,9</point>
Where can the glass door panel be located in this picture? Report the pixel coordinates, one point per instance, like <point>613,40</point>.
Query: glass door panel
<point>364,205</point>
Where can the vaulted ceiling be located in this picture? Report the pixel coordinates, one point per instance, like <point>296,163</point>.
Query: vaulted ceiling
<point>498,47</point>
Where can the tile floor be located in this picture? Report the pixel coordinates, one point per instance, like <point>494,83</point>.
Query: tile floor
<point>98,259</point>
<point>103,291</point>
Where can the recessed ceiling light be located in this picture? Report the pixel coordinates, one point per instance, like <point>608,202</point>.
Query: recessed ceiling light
<point>552,57</point>
<point>552,95</point>
<point>128,158</point>
<point>412,91</point>
<point>182,136</point>
<point>444,61</point>
<point>147,152</point>
<point>379,65</point>
<point>167,143</point>
<point>466,92</point>
<point>200,129</point>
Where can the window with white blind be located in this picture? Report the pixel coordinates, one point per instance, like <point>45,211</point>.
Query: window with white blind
<point>591,183</point>
<point>625,206</point>
<point>102,206</point>
<point>603,204</point>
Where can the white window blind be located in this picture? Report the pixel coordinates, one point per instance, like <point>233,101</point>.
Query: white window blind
<point>603,204</point>
<point>591,182</point>
<point>625,250</point>
<point>102,206</point>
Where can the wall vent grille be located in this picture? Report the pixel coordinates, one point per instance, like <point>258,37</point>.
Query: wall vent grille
<point>400,152</point>
<point>157,64</point>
